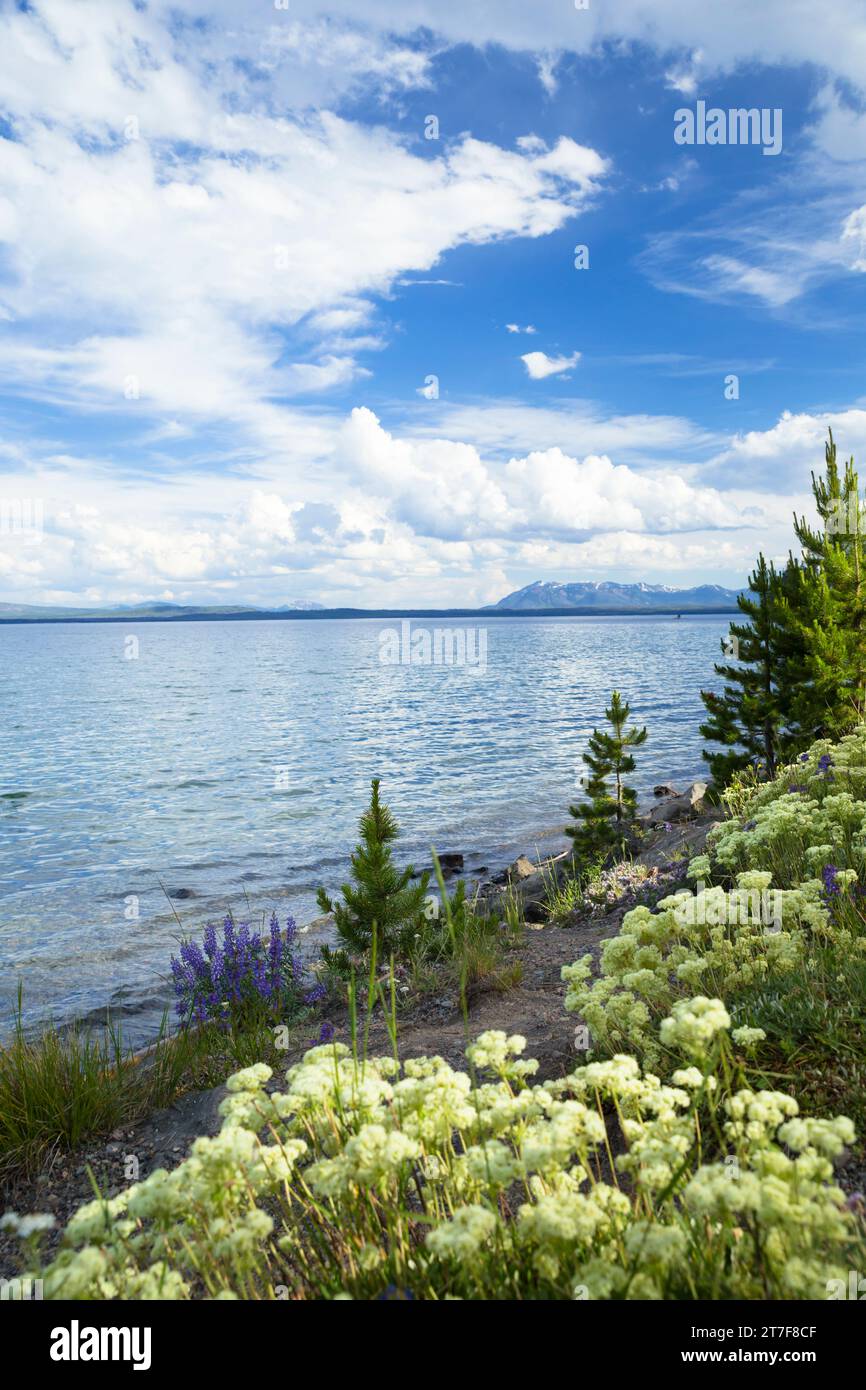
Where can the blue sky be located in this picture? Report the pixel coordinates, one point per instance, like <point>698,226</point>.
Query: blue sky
<point>230,260</point>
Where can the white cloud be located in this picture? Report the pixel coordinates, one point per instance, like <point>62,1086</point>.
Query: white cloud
<point>736,34</point>
<point>387,517</point>
<point>504,427</point>
<point>684,77</point>
<point>626,553</point>
<point>547,65</point>
<point>440,487</point>
<point>240,266</point>
<point>516,328</point>
<point>539,365</point>
<point>769,251</point>
<point>839,132</point>
<point>854,231</point>
<point>795,442</point>
<point>733,275</point>
<point>557,494</point>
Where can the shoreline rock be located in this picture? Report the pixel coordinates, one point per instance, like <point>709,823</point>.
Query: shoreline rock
<point>681,806</point>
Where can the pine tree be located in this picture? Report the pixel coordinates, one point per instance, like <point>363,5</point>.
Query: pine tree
<point>750,717</point>
<point>832,698</point>
<point>606,818</point>
<point>801,671</point>
<point>382,896</point>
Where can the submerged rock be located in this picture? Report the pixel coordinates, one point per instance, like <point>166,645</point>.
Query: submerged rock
<point>452,859</point>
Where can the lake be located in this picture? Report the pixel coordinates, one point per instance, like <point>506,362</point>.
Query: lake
<point>152,772</point>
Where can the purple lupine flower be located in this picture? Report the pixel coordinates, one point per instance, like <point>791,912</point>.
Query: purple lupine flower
<point>242,970</point>
<point>825,762</point>
<point>832,887</point>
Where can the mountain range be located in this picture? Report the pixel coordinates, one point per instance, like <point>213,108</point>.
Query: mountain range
<point>154,609</point>
<point>584,596</point>
<point>607,594</point>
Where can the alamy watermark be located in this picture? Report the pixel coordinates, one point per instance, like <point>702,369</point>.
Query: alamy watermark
<point>77,1343</point>
<point>22,516</point>
<point>741,907</point>
<point>846,515</point>
<point>443,646</point>
<point>737,126</point>
<point>854,1289</point>
<point>21,1289</point>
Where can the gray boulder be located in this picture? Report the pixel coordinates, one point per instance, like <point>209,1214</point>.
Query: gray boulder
<point>676,808</point>
<point>522,868</point>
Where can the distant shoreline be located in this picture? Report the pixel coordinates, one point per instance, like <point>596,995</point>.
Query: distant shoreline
<point>360,613</point>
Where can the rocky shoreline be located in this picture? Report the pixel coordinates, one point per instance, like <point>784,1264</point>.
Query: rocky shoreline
<point>679,815</point>
<point>433,1025</point>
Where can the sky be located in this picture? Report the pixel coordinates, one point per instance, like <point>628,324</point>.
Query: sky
<point>414,302</point>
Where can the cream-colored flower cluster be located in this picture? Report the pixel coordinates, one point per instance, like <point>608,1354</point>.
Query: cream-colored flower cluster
<point>813,813</point>
<point>714,940</point>
<point>364,1177</point>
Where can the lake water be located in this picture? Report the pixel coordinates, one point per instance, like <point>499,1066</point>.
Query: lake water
<point>225,764</point>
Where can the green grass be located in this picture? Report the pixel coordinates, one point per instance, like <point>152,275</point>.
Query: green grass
<point>815,1021</point>
<point>469,946</point>
<point>60,1089</point>
<point>563,898</point>
<point>63,1088</point>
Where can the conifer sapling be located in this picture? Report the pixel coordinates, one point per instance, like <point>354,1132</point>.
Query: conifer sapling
<point>382,896</point>
<point>607,817</point>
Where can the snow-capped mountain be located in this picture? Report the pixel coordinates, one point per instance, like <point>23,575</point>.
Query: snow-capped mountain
<point>607,594</point>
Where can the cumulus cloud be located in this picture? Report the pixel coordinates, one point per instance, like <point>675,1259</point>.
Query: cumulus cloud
<point>538,365</point>
<point>560,495</point>
<point>446,488</point>
<point>440,487</point>
<point>391,515</point>
<point>796,440</point>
